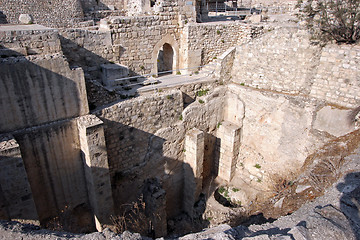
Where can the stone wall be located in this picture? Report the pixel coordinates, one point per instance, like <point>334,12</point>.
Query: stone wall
<point>285,60</point>
<point>337,77</point>
<point>88,49</point>
<point>213,39</point>
<point>29,42</point>
<point>57,13</point>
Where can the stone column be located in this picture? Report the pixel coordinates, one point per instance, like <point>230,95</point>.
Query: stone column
<point>228,148</point>
<point>94,155</point>
<point>16,196</point>
<point>193,168</point>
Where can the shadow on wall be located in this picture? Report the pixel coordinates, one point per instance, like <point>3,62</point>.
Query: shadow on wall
<point>37,92</point>
<point>3,19</point>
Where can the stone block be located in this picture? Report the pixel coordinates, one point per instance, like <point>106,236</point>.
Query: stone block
<point>111,72</point>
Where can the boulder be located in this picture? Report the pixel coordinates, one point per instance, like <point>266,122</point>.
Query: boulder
<point>25,19</point>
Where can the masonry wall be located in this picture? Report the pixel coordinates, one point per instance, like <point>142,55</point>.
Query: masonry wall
<point>56,13</point>
<point>89,49</point>
<point>284,60</point>
<point>213,39</point>
<point>29,42</point>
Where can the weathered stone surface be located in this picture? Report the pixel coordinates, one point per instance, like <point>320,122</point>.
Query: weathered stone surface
<point>334,121</point>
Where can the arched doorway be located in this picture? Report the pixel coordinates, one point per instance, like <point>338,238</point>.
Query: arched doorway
<point>165,60</point>
<point>168,49</point>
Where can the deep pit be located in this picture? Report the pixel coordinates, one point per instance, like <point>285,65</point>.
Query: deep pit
<point>264,127</point>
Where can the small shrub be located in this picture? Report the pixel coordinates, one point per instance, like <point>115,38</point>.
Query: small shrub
<point>222,40</point>
<point>257,166</point>
<point>160,90</point>
<point>196,72</point>
<point>202,92</point>
<point>218,125</point>
<point>235,189</point>
<point>184,150</point>
<point>242,84</point>
<point>181,118</point>
<point>214,58</point>
<point>201,101</point>
<point>221,190</point>
<point>142,67</point>
<point>258,180</point>
<point>186,21</point>
<point>178,73</point>
<point>169,97</point>
<point>218,32</point>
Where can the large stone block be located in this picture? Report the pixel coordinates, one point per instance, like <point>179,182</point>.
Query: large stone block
<point>111,72</point>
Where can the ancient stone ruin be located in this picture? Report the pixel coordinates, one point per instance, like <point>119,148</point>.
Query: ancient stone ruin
<point>164,118</point>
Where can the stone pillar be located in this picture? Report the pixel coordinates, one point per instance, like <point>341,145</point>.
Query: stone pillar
<point>228,148</point>
<point>16,196</point>
<point>94,155</point>
<point>193,168</point>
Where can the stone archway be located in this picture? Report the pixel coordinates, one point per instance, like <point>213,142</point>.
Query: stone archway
<point>165,55</point>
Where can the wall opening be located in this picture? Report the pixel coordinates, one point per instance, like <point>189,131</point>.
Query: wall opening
<point>165,60</point>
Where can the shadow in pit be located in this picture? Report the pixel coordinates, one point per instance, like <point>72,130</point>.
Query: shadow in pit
<point>135,157</point>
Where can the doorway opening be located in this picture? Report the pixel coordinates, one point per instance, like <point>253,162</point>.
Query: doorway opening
<point>165,60</point>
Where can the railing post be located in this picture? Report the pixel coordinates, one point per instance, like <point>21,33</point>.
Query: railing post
<point>216,7</point>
